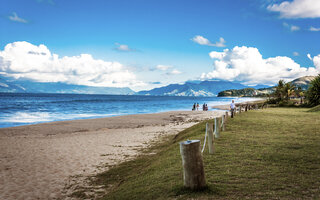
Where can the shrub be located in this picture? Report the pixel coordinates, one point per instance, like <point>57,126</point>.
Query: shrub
<point>313,93</point>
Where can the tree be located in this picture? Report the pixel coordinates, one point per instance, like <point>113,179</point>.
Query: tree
<point>279,93</point>
<point>313,92</point>
<point>288,90</point>
<point>299,93</point>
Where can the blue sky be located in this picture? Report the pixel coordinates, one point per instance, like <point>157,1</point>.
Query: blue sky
<point>160,41</point>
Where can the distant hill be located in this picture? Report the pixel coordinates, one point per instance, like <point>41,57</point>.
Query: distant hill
<point>302,82</point>
<point>194,88</point>
<point>10,85</point>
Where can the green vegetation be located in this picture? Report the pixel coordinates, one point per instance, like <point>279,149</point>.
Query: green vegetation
<point>246,92</point>
<point>313,93</point>
<point>263,154</point>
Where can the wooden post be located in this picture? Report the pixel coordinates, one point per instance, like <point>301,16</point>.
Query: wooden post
<point>246,108</point>
<point>223,122</point>
<point>217,126</point>
<point>210,138</point>
<point>193,171</point>
<point>226,117</point>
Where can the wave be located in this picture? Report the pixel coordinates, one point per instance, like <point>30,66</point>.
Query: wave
<point>38,117</point>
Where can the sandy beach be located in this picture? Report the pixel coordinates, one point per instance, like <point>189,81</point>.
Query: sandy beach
<point>41,161</point>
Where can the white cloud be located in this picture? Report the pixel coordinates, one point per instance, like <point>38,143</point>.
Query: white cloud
<point>297,9</point>
<point>25,60</point>
<point>315,60</point>
<point>296,53</point>
<point>163,67</point>
<point>123,47</point>
<point>314,29</point>
<point>246,64</point>
<point>174,72</point>
<point>291,27</point>
<point>204,41</point>
<point>15,18</point>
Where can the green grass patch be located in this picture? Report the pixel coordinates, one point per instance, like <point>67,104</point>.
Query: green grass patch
<point>263,154</point>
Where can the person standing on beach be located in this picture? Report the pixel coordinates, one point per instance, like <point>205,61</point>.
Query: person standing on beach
<point>197,106</point>
<point>232,108</point>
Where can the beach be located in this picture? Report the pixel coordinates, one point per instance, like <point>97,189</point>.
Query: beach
<point>45,161</point>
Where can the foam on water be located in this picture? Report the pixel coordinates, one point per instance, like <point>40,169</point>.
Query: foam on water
<point>38,117</point>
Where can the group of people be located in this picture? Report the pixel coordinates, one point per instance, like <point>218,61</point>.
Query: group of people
<point>196,107</point>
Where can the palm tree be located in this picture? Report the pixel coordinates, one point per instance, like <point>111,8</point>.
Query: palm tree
<point>279,93</point>
<point>313,93</point>
<point>288,90</point>
<point>299,93</point>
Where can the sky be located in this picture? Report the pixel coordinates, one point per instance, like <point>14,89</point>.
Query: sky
<point>143,44</point>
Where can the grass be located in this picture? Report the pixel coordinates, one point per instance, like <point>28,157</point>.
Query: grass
<point>315,109</point>
<point>264,154</point>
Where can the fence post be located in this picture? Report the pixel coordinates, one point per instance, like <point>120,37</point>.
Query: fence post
<point>246,108</point>
<point>192,163</point>
<point>210,138</point>
<point>217,122</point>
<point>223,122</point>
<point>226,117</point>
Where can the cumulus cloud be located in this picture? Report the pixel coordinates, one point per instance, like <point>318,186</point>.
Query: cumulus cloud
<point>314,29</point>
<point>15,18</point>
<point>123,47</point>
<point>291,27</point>
<point>246,64</point>
<point>174,72</point>
<point>297,9</point>
<point>204,41</point>
<point>25,60</point>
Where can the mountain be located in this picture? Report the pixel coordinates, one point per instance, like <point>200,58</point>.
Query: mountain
<point>193,88</point>
<point>27,86</point>
<point>302,82</point>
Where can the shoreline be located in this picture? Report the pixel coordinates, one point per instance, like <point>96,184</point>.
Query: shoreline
<point>44,160</point>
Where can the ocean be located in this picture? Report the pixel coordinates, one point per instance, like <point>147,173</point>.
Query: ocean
<point>24,109</point>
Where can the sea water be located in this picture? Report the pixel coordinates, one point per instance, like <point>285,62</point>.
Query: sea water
<point>25,109</point>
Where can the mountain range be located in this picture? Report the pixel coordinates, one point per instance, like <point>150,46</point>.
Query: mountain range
<point>10,85</point>
<point>195,88</point>
<point>189,88</point>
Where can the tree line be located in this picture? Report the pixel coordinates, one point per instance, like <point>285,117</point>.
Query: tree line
<point>284,91</point>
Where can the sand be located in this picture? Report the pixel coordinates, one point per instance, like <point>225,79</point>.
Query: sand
<point>41,161</point>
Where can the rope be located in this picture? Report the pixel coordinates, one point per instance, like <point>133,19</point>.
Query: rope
<point>205,138</point>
